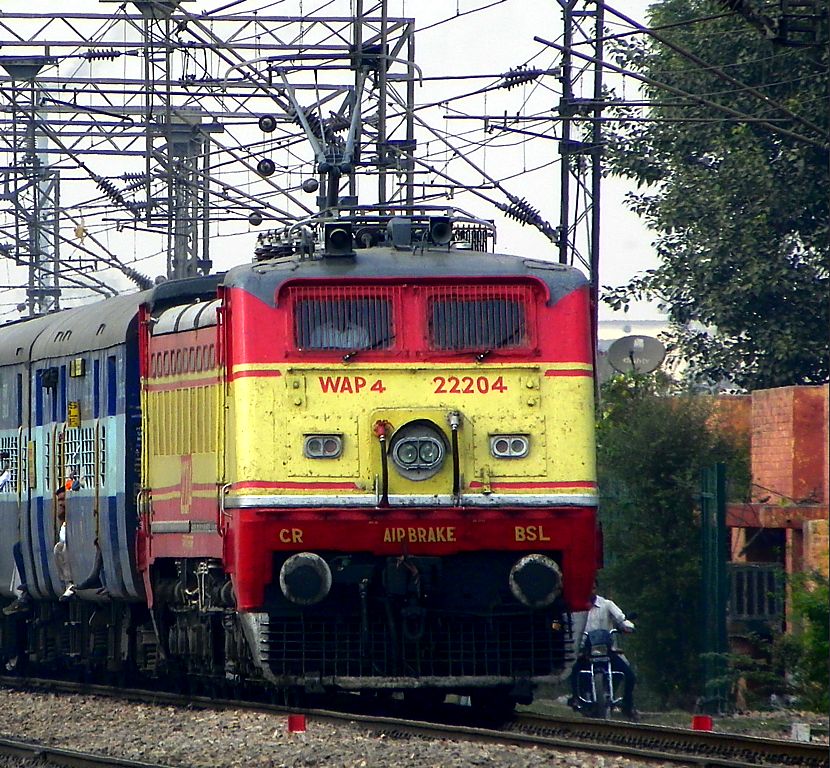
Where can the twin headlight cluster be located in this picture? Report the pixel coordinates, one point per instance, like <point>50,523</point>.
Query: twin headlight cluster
<point>418,450</point>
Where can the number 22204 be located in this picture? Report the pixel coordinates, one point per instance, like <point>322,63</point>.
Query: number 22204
<point>468,385</point>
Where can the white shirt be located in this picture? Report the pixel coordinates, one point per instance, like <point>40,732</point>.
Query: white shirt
<point>606,614</point>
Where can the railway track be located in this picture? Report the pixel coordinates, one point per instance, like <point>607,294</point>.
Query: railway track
<point>67,758</point>
<point>619,739</point>
<point>676,744</point>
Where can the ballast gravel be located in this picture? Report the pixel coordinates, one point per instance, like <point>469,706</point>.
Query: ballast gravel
<point>197,738</point>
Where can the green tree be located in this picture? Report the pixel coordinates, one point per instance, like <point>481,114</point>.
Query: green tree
<point>808,649</point>
<point>738,200</point>
<point>651,448</point>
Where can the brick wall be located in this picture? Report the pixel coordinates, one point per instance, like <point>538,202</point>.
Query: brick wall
<point>732,414</point>
<point>789,444</point>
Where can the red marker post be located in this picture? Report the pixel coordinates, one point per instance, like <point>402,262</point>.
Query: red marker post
<point>701,723</point>
<point>296,723</point>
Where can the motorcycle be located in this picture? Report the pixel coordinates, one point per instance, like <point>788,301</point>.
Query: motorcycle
<point>597,685</point>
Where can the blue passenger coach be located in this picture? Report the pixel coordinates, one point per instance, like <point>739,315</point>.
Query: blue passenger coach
<point>70,416</point>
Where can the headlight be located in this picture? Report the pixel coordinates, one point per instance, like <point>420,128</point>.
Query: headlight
<point>535,580</point>
<point>406,454</point>
<point>509,446</point>
<point>429,451</point>
<point>418,450</point>
<point>305,578</point>
<point>323,446</point>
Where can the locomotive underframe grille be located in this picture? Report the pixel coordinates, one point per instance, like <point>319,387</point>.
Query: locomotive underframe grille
<point>450,650</point>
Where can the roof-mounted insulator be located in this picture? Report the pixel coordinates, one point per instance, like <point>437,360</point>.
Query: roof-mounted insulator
<point>140,279</point>
<point>518,76</point>
<point>270,245</point>
<point>325,127</point>
<point>523,212</point>
<point>104,54</point>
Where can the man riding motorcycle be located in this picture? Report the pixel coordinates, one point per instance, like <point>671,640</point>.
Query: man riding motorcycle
<point>606,615</point>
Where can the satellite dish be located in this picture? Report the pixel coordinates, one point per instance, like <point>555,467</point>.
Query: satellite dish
<point>636,354</point>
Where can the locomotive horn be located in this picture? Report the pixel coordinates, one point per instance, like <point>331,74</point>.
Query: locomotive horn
<point>338,239</point>
<point>440,229</point>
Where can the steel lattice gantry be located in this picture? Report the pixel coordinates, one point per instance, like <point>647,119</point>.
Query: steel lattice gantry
<point>150,115</point>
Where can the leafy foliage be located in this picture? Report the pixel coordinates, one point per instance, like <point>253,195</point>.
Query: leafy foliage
<point>739,204</point>
<point>651,448</point>
<point>809,647</point>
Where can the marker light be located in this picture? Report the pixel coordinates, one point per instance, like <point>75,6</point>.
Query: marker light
<point>323,446</point>
<point>509,446</point>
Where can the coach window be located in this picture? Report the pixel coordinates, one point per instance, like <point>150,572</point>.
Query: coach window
<point>112,385</point>
<point>20,399</point>
<point>96,388</point>
<point>62,384</point>
<point>6,399</point>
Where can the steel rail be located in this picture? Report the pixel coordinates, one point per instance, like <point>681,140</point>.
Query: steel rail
<point>70,758</point>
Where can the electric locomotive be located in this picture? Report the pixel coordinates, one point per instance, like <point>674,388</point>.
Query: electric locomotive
<point>362,462</point>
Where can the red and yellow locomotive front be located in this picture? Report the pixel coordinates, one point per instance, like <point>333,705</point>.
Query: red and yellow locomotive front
<point>410,485</point>
<point>373,471</point>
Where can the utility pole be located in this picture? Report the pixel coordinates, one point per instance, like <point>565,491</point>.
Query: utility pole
<point>574,153</point>
<point>596,178</point>
<point>714,587</point>
<point>565,114</point>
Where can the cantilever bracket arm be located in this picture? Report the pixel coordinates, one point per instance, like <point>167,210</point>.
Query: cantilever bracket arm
<point>319,152</point>
<point>348,152</point>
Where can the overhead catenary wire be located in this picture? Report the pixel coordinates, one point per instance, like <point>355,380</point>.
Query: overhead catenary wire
<point>720,73</point>
<point>686,94</point>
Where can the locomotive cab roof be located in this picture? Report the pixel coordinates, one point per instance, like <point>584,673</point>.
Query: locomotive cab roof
<point>396,247</point>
